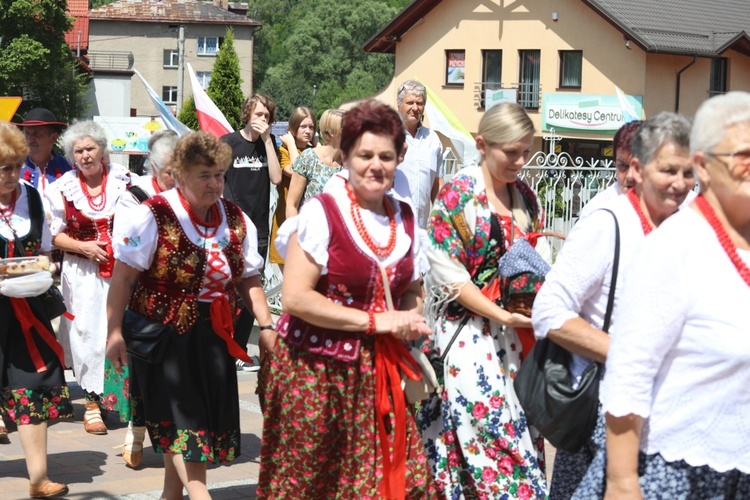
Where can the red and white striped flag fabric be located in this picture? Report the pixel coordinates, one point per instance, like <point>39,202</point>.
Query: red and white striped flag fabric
<point>211,119</point>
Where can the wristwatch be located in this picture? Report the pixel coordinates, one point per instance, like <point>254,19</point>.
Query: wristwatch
<point>267,327</point>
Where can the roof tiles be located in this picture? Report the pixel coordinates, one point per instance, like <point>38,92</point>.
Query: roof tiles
<point>172,11</point>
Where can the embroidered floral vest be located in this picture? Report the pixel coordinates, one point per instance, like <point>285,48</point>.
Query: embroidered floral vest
<point>81,227</point>
<point>169,283</point>
<point>32,241</point>
<point>353,280</point>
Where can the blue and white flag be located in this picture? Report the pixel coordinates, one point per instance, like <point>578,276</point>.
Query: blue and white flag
<point>170,120</point>
<point>628,112</point>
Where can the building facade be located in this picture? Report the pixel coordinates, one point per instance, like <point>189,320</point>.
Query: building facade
<point>562,60</point>
<point>143,35</point>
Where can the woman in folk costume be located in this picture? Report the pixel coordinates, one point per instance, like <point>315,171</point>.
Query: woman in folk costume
<point>32,380</point>
<point>475,433</point>
<point>188,254</point>
<point>337,424</point>
<point>82,203</point>
<point>570,309</point>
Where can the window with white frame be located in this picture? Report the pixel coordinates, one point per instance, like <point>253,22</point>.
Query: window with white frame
<point>204,78</point>
<point>528,86</point>
<point>208,45</point>
<point>171,58</point>
<point>169,95</point>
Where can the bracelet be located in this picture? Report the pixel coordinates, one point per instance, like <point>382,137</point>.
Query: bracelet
<point>266,327</point>
<point>370,323</point>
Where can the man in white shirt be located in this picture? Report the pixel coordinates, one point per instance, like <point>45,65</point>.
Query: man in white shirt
<point>423,162</point>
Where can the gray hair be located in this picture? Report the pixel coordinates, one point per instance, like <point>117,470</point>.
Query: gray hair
<point>160,147</point>
<point>715,116</point>
<point>657,131</point>
<point>79,131</point>
<point>410,87</point>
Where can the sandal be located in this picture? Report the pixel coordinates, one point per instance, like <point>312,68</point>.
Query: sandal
<point>47,489</point>
<point>92,419</point>
<point>132,451</point>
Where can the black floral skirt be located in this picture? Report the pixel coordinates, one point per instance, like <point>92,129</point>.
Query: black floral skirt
<point>190,401</point>
<point>28,396</point>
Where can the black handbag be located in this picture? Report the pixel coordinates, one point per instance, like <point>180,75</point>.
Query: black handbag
<point>145,339</point>
<point>566,417</point>
<point>53,302</point>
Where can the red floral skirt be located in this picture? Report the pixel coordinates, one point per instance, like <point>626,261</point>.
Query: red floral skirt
<point>319,435</point>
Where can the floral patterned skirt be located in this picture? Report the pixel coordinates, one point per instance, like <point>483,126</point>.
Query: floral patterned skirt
<point>27,396</point>
<point>476,436</point>
<point>190,400</point>
<point>660,479</point>
<point>319,434</point>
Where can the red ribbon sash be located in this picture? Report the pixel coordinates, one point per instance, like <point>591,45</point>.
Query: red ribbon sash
<point>28,321</point>
<point>222,322</point>
<point>391,357</point>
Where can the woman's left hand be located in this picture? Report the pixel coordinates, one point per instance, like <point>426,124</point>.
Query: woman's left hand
<point>404,325</point>
<point>116,351</point>
<point>267,342</point>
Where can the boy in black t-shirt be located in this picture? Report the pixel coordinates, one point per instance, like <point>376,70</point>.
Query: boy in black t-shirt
<point>255,163</point>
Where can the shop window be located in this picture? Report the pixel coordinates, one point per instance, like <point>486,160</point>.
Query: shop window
<point>492,62</point>
<point>204,78</point>
<point>718,83</point>
<point>209,45</point>
<point>171,58</point>
<point>169,95</point>
<point>455,67</point>
<point>571,65</point>
<point>528,82</point>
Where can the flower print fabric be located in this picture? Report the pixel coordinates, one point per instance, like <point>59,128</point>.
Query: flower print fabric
<point>315,171</point>
<point>476,437</point>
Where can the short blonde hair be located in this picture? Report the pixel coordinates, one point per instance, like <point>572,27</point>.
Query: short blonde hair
<point>330,124</point>
<point>199,149</point>
<point>13,148</point>
<point>505,122</point>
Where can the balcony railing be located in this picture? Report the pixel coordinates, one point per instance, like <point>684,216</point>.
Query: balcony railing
<point>111,60</point>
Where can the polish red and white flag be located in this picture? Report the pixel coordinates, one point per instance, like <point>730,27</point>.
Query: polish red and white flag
<point>210,118</point>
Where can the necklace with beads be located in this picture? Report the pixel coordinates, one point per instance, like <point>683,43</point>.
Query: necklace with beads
<point>157,189</point>
<point>96,206</point>
<point>214,218</point>
<point>7,212</point>
<point>636,202</point>
<point>380,251</point>
<point>726,242</point>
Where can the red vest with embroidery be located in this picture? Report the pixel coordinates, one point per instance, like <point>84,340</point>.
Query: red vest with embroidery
<point>81,227</point>
<point>166,291</point>
<point>353,280</point>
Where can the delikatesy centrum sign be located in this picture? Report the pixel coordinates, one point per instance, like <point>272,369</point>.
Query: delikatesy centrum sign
<point>585,112</point>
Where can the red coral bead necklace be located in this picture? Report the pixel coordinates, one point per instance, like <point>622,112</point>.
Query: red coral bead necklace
<point>636,202</point>
<point>211,225</point>
<point>726,242</point>
<point>96,206</point>
<point>7,212</point>
<point>380,251</point>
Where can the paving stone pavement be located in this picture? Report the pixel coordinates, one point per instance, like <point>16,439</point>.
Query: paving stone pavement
<point>93,468</point>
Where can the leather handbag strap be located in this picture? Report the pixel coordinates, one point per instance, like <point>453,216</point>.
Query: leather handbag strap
<point>615,268</point>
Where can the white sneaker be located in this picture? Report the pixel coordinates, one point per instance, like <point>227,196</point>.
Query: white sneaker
<point>247,367</point>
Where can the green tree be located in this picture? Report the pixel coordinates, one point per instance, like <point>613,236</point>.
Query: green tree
<point>188,115</point>
<point>314,55</point>
<point>35,61</point>
<point>224,89</point>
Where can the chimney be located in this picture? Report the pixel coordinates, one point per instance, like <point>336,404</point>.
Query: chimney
<point>224,4</point>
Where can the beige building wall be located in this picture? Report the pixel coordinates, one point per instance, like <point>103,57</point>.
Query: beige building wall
<point>147,42</point>
<point>512,25</point>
